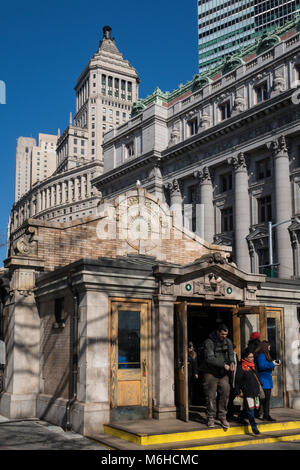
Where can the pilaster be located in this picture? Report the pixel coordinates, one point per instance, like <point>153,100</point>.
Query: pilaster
<point>164,394</point>
<point>22,339</point>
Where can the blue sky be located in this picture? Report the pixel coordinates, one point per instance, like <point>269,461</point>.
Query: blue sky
<point>45,45</point>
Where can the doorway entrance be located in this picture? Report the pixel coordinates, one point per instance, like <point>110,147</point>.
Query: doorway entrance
<point>194,323</point>
<point>201,322</point>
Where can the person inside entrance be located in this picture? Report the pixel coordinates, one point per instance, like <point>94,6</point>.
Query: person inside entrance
<point>218,362</point>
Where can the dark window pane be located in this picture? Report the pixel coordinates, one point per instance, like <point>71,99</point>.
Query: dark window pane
<point>129,339</point>
<point>271,329</point>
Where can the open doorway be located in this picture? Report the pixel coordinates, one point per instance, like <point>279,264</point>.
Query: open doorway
<point>201,321</point>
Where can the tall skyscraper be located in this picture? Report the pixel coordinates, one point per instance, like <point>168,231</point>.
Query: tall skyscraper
<point>34,162</point>
<point>225,26</point>
<point>105,93</point>
<point>23,165</point>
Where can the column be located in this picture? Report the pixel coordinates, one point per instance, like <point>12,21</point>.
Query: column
<point>76,187</point>
<point>241,212</point>
<point>283,206</point>
<point>38,202</point>
<point>176,202</point>
<point>205,212</point>
<point>47,198</point>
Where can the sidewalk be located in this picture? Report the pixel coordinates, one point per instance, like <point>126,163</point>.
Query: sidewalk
<point>34,434</point>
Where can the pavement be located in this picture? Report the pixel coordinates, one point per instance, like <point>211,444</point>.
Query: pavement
<point>34,434</point>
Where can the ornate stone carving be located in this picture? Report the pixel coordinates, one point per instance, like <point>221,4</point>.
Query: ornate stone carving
<point>231,62</point>
<point>267,41</point>
<point>27,244</point>
<point>137,108</point>
<point>279,147</point>
<point>205,120</point>
<point>203,175</point>
<point>174,187</point>
<point>278,85</point>
<point>167,287</point>
<point>175,136</point>
<point>199,81</point>
<point>239,104</point>
<point>239,162</point>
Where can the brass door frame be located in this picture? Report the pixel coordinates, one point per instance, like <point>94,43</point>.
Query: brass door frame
<point>112,379</point>
<point>280,311</point>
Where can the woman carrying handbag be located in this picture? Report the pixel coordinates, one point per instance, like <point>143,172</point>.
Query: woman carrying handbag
<point>248,382</point>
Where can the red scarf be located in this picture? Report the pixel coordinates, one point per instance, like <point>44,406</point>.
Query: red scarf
<point>246,365</point>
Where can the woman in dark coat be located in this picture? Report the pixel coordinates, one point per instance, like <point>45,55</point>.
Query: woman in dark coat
<point>247,381</point>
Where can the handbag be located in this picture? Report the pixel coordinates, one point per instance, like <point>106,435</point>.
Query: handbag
<point>261,390</point>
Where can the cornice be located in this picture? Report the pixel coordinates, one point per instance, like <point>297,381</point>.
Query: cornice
<point>128,167</point>
<point>233,123</point>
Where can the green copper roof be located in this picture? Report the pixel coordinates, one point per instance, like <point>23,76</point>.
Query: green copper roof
<point>230,62</point>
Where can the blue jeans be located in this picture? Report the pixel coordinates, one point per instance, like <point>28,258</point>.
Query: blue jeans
<point>250,414</point>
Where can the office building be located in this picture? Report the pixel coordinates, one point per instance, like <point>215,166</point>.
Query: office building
<point>224,26</point>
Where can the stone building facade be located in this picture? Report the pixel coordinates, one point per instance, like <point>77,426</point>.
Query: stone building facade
<point>105,93</point>
<point>96,315</point>
<point>227,144</point>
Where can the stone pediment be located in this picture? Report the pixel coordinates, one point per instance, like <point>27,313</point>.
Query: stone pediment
<point>257,233</point>
<point>211,277</point>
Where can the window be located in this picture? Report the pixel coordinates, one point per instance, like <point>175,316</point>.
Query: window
<point>261,92</point>
<point>110,81</point>
<point>129,91</point>
<point>227,220</point>
<point>264,209</point>
<point>226,182</point>
<point>123,84</point>
<point>263,169</point>
<point>58,312</point>
<point>129,150</point>
<point>82,142</point>
<point>116,87</point>
<point>192,127</point>
<point>103,82</point>
<point>225,110</point>
<point>75,149</point>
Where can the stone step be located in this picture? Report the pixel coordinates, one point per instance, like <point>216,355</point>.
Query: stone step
<point>225,442</point>
<point>156,437</point>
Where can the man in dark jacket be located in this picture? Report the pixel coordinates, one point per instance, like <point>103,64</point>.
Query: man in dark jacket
<point>218,362</point>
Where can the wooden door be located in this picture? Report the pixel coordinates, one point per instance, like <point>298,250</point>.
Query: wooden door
<point>181,361</point>
<point>130,361</point>
<point>275,337</point>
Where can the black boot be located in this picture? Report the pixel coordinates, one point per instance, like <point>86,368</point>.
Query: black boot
<point>255,430</point>
<point>269,418</point>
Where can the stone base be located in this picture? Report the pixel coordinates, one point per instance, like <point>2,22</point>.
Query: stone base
<point>167,412</point>
<point>85,418</point>
<point>89,418</point>
<point>293,399</point>
<point>18,406</point>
